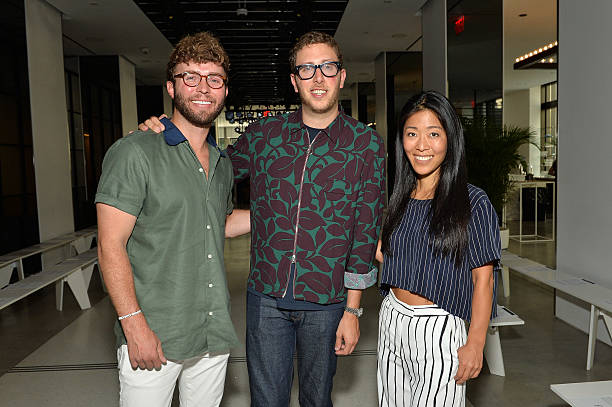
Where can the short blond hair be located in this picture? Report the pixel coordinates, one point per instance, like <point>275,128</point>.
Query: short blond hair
<point>311,38</point>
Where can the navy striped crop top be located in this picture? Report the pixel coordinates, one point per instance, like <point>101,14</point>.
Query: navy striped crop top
<point>413,266</point>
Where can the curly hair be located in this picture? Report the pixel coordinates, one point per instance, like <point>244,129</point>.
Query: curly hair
<point>200,48</point>
<point>311,38</point>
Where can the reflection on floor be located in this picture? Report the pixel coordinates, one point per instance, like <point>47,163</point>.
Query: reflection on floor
<point>67,358</point>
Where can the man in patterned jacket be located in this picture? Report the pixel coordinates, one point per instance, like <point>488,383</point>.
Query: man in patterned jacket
<point>317,190</point>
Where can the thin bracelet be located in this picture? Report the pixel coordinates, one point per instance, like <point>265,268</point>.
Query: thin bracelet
<point>130,315</point>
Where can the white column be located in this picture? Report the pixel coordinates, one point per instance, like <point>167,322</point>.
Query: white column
<point>434,46</point>
<point>127,87</point>
<point>167,101</point>
<point>584,221</point>
<point>380,75</point>
<point>49,122</point>
<point>355,101</point>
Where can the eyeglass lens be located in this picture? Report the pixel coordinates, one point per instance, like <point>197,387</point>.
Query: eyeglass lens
<point>193,79</point>
<point>307,71</point>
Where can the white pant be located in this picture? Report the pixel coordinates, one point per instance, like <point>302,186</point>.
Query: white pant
<point>201,380</point>
<point>417,355</point>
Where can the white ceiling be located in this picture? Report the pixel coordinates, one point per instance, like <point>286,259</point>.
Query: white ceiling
<point>369,27</point>
<point>524,34</point>
<point>115,27</point>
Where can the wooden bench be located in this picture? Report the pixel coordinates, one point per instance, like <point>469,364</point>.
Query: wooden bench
<point>599,297</point>
<point>76,271</point>
<point>79,240</point>
<point>492,350</point>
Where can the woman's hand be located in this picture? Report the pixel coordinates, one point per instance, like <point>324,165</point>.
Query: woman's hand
<point>470,362</point>
<point>379,255</point>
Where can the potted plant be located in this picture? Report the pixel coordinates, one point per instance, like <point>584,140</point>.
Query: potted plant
<point>492,154</point>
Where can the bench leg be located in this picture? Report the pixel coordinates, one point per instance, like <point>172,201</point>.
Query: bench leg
<point>505,273</point>
<point>76,282</point>
<point>82,245</point>
<point>608,321</point>
<point>59,295</point>
<point>592,336</point>
<point>493,352</point>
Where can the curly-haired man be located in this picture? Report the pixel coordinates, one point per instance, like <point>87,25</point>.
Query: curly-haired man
<point>164,203</point>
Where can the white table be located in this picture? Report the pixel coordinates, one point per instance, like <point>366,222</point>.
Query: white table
<point>79,240</point>
<point>587,394</point>
<point>535,237</point>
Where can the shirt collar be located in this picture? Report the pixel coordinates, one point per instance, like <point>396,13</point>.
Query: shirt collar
<point>173,135</point>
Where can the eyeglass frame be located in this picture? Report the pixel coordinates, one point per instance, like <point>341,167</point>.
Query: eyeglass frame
<point>296,71</point>
<point>182,76</point>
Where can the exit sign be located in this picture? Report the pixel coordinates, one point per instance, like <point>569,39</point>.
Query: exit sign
<point>459,25</point>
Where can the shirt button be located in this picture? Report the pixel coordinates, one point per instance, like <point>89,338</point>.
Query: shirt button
<point>201,169</point>
<point>210,285</point>
<point>210,256</point>
<point>210,313</point>
<point>208,227</point>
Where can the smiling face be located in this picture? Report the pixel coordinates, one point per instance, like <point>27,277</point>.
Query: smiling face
<point>319,94</point>
<point>425,142</point>
<point>200,105</point>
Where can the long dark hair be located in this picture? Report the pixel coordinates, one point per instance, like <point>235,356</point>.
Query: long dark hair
<point>450,208</point>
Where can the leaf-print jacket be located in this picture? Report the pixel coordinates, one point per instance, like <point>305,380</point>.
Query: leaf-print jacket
<point>316,204</point>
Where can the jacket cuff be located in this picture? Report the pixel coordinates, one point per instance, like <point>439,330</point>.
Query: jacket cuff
<point>356,281</point>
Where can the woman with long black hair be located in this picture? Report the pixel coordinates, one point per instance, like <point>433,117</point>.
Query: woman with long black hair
<point>440,244</point>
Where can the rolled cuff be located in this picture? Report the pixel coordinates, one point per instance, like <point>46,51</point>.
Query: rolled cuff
<point>356,281</point>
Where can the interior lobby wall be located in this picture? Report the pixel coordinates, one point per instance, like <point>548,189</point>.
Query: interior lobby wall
<point>49,122</point>
<point>584,193</point>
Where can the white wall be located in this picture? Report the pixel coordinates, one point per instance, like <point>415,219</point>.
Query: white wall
<point>127,87</point>
<point>585,143</point>
<point>434,46</point>
<point>522,108</point>
<point>49,122</point>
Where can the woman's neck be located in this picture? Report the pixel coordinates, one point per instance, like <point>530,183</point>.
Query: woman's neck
<point>425,188</point>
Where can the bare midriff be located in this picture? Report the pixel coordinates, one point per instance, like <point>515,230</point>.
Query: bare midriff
<point>410,298</point>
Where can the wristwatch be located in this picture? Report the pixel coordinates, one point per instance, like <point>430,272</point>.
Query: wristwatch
<point>355,311</point>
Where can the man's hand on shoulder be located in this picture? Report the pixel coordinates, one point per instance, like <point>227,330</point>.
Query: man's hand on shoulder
<point>153,123</point>
<point>144,347</point>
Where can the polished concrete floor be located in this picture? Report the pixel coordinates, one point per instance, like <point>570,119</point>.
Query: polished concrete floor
<point>67,358</point>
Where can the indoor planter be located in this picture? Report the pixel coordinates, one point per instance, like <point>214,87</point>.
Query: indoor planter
<point>492,154</point>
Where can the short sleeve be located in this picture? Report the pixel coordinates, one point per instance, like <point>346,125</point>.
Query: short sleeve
<point>123,183</point>
<point>485,243</point>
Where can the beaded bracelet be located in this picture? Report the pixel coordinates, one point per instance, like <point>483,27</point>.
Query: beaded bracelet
<point>130,315</point>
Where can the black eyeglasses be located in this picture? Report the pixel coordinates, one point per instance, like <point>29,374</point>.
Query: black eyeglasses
<point>193,79</point>
<point>328,69</point>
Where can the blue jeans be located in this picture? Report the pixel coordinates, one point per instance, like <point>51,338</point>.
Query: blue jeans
<point>272,337</point>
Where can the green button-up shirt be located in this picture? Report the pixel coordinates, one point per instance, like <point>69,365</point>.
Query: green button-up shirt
<point>176,247</point>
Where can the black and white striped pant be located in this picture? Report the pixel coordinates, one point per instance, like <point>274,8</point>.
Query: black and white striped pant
<point>417,355</point>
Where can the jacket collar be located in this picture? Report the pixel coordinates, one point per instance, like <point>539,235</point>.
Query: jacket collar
<point>332,131</point>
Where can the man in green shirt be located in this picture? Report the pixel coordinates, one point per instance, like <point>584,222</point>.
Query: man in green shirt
<point>164,205</point>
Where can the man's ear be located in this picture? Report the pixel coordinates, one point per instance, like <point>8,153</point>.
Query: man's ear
<point>342,77</point>
<point>293,82</point>
<point>170,88</point>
